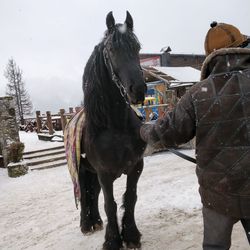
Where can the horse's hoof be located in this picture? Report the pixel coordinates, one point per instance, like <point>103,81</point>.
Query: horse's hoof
<point>121,248</point>
<point>112,245</point>
<point>92,229</point>
<point>131,245</point>
<point>98,227</point>
<point>87,232</point>
<point>131,238</point>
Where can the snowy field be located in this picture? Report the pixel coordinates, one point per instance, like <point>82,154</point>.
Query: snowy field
<point>37,210</point>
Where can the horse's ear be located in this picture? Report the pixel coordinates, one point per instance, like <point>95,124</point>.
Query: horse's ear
<point>110,21</point>
<point>129,21</point>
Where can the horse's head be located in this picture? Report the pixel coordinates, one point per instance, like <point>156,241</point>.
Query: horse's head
<point>121,53</point>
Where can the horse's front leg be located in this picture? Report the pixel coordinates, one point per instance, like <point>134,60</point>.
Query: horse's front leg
<point>112,236</point>
<point>130,233</point>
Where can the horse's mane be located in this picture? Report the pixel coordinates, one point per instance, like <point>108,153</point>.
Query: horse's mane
<point>95,101</point>
<point>97,80</point>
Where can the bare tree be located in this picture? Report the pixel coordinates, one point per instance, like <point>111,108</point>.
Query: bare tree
<point>16,88</point>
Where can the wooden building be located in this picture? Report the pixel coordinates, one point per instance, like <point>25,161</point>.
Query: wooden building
<point>168,59</point>
<point>166,85</point>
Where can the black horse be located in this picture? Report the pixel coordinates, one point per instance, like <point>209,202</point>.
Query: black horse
<point>111,141</point>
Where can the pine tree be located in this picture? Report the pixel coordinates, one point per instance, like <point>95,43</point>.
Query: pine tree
<point>16,89</point>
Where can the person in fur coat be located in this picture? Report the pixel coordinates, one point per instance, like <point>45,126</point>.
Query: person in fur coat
<point>217,112</point>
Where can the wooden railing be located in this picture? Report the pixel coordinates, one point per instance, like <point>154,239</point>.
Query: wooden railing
<point>47,123</point>
<point>53,122</point>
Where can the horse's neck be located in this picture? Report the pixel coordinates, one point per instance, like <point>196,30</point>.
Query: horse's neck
<point>119,114</point>
<point>106,109</point>
<point>105,106</point>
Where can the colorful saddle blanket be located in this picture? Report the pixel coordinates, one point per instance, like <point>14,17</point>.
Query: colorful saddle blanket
<point>72,143</point>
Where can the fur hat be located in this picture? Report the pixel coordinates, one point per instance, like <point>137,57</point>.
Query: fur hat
<point>222,35</point>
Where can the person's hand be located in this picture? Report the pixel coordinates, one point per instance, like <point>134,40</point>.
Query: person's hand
<point>148,133</point>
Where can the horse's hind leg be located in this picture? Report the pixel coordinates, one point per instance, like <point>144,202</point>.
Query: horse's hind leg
<point>90,189</point>
<point>130,233</point>
<point>112,236</point>
<point>95,189</point>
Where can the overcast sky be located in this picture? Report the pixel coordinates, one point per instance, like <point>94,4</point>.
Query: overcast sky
<point>51,40</point>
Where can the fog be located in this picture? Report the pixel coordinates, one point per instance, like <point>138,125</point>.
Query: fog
<point>52,40</point>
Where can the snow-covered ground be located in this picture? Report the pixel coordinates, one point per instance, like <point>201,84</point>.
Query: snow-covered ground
<point>37,211</point>
<point>32,143</point>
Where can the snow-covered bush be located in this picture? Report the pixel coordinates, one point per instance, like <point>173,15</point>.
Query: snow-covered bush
<point>15,151</point>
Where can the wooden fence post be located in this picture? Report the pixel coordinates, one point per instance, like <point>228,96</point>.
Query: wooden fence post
<point>63,119</point>
<point>77,109</point>
<point>71,110</point>
<point>38,122</point>
<point>49,123</point>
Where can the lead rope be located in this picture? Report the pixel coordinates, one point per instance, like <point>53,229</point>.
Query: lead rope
<point>178,153</point>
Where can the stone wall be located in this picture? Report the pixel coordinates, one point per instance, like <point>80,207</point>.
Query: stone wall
<point>8,126</point>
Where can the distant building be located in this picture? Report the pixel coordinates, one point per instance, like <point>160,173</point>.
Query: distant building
<point>168,76</point>
<point>167,59</point>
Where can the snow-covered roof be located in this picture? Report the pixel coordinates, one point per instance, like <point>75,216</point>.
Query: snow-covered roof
<point>182,74</point>
<point>180,84</point>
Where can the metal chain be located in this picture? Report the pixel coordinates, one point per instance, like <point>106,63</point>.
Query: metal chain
<point>115,79</point>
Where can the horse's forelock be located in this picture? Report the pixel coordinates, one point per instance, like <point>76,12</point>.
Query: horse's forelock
<point>122,37</point>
